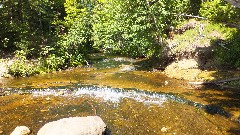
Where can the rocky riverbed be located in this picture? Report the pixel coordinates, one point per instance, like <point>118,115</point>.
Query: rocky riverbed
<point>43,98</point>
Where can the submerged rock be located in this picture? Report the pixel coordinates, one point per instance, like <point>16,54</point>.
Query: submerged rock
<point>127,68</point>
<point>90,125</point>
<point>2,92</point>
<point>21,130</point>
<point>164,129</point>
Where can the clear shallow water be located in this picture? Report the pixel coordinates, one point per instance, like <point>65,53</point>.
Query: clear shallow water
<point>130,101</point>
<point>124,116</point>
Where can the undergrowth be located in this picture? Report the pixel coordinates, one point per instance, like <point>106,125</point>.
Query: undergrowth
<point>191,40</point>
<point>23,67</point>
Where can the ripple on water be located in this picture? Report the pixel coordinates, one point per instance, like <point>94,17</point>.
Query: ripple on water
<point>106,93</point>
<point>115,95</point>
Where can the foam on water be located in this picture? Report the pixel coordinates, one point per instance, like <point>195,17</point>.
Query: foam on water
<point>115,95</point>
<point>106,93</point>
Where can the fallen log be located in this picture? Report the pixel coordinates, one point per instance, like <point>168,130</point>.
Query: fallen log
<point>215,82</point>
<point>199,83</point>
<point>233,25</point>
<point>191,16</point>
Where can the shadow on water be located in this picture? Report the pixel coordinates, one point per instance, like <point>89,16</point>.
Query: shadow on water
<point>234,131</point>
<point>101,61</point>
<point>151,64</point>
<point>227,50</point>
<point>220,97</point>
<point>213,109</point>
<point>107,132</point>
<point>228,97</point>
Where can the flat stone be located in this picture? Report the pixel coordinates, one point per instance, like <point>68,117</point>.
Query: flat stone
<point>127,68</point>
<point>164,129</point>
<point>90,125</point>
<point>21,130</point>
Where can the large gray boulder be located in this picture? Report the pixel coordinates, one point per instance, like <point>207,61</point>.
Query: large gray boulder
<point>90,125</point>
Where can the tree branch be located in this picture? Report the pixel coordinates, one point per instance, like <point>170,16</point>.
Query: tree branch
<point>192,16</point>
<point>215,82</point>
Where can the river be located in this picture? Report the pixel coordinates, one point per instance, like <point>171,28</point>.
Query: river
<point>129,99</point>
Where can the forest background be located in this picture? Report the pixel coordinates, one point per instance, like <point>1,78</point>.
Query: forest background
<point>45,36</point>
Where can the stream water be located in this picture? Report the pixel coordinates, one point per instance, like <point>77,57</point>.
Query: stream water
<point>129,99</point>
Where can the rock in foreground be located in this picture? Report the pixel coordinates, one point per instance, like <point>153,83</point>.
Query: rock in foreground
<point>90,125</point>
<point>21,130</point>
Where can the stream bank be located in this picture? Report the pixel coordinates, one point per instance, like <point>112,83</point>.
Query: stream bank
<point>194,53</point>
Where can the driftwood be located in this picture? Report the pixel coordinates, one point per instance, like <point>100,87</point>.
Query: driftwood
<point>233,25</point>
<point>224,47</point>
<point>215,82</point>
<point>192,16</point>
<point>235,3</point>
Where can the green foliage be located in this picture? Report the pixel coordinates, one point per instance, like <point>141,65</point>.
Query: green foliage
<point>53,63</point>
<point>230,58</point>
<point>26,24</point>
<point>195,6</point>
<point>220,11</point>
<point>76,39</point>
<point>22,67</point>
<point>33,28</point>
<point>134,27</point>
<point>225,55</point>
<point>61,32</point>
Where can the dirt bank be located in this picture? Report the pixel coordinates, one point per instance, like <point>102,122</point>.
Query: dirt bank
<point>192,53</point>
<point>3,68</point>
<point>4,63</point>
<point>188,69</point>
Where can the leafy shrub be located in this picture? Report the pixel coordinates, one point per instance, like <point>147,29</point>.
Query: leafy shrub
<point>76,39</point>
<point>220,11</point>
<point>52,63</point>
<point>228,53</point>
<point>22,67</point>
<point>230,58</point>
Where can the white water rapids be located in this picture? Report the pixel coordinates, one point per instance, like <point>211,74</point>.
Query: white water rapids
<point>107,94</point>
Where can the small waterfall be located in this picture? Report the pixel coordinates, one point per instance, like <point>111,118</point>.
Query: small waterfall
<point>115,95</point>
<point>106,93</point>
